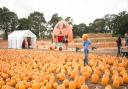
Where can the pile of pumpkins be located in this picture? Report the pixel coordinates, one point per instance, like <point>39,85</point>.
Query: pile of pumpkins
<point>34,69</point>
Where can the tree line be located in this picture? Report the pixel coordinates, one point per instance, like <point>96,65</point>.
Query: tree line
<point>9,21</point>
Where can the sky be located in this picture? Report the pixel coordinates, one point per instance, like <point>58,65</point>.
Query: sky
<point>82,11</point>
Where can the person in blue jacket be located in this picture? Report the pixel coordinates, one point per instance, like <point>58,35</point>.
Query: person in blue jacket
<point>86,44</point>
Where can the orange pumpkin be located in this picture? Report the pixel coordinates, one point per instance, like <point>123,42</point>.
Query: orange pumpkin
<point>77,82</point>
<point>48,86</point>
<point>84,86</point>
<point>125,78</point>
<point>121,80</point>
<point>108,87</point>
<point>85,37</point>
<point>82,79</point>
<point>74,74</point>
<point>95,78</point>
<point>66,82</point>
<point>54,85</point>
<point>105,80</point>
<point>116,82</point>
<point>71,85</point>
<point>60,87</point>
<point>35,85</point>
<point>86,75</point>
<point>61,76</point>
<point>22,86</point>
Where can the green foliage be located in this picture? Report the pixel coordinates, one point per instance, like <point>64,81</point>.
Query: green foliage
<point>8,20</point>
<point>80,29</point>
<point>24,24</point>
<point>69,20</point>
<point>5,36</point>
<point>37,22</point>
<point>54,20</point>
<point>120,24</point>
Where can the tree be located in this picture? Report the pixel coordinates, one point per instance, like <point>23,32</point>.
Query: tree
<point>80,29</point>
<point>54,20</point>
<point>91,28</point>
<point>23,24</point>
<point>69,20</point>
<point>1,11</point>
<point>120,23</point>
<point>37,23</point>
<point>9,20</point>
<point>99,24</point>
<point>109,20</point>
<point>75,30</point>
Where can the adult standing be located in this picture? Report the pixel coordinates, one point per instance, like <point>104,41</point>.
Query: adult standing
<point>126,40</point>
<point>119,45</point>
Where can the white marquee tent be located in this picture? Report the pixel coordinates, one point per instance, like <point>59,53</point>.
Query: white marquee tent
<point>16,38</point>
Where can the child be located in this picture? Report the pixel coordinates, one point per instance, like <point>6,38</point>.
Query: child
<point>86,44</point>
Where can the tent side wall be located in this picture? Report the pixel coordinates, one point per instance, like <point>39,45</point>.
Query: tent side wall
<point>15,43</point>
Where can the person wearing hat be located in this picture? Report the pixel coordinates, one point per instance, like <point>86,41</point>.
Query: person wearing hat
<point>86,44</point>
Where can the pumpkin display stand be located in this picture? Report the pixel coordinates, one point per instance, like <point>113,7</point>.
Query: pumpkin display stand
<point>62,31</point>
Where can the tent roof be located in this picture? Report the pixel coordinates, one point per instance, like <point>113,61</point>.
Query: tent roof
<point>21,33</point>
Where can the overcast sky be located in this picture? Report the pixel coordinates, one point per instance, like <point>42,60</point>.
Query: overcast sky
<point>85,11</point>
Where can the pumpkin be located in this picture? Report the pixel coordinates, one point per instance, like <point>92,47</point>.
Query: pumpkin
<point>108,87</point>
<point>121,80</point>
<point>86,75</point>
<point>125,78</point>
<point>28,84</point>
<point>54,85</point>
<point>77,82</point>
<point>74,74</point>
<point>43,87</point>
<point>61,76</point>
<point>97,71</point>
<point>85,37</point>
<point>35,85</point>
<point>22,86</point>
<point>84,86</point>
<point>71,85</point>
<point>105,80</point>
<point>48,86</point>
<point>116,82</point>
<point>82,79</point>
<point>13,82</point>
<point>66,82</point>
<point>61,87</point>
<point>95,78</point>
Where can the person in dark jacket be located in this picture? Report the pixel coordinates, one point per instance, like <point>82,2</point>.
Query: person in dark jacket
<point>119,44</point>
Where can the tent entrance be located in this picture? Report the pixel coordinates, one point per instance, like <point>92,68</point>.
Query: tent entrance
<point>27,43</point>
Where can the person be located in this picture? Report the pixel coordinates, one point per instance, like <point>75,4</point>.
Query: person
<point>26,43</point>
<point>86,44</point>
<point>23,44</point>
<point>126,40</point>
<point>119,44</point>
<point>65,41</point>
